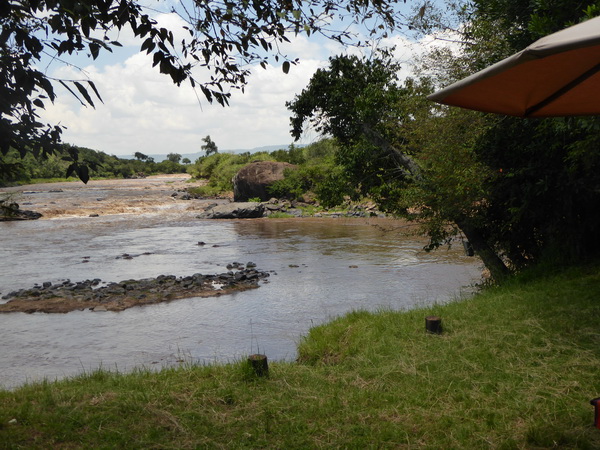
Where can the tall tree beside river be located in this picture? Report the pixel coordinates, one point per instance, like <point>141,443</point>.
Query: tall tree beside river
<point>520,190</point>
<point>379,124</point>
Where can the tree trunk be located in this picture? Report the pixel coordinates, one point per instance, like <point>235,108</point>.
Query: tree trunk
<point>405,162</point>
<point>490,259</point>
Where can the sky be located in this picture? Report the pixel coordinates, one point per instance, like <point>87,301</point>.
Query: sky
<point>143,111</point>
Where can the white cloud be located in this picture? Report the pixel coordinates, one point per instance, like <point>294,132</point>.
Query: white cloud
<point>143,111</point>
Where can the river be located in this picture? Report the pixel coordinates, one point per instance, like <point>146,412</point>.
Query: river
<point>320,269</point>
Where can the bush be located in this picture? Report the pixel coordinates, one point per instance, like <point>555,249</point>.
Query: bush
<point>220,168</point>
<point>318,172</point>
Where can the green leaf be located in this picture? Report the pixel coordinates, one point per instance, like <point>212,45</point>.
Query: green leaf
<point>148,45</point>
<point>157,58</point>
<point>83,91</point>
<point>285,67</point>
<point>93,86</point>
<point>94,49</point>
<point>71,170</point>
<point>83,173</point>
<point>71,91</point>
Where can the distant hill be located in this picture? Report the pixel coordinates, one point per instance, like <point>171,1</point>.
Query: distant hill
<point>194,156</point>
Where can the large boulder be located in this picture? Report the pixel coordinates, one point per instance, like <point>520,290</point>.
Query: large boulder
<point>253,179</point>
<point>242,210</point>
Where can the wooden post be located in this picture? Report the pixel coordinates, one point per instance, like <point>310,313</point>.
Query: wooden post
<point>259,364</point>
<point>433,324</point>
<point>596,404</point>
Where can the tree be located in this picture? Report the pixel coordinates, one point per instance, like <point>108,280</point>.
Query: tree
<point>209,146</point>
<point>362,104</point>
<point>140,156</point>
<point>174,157</point>
<point>225,38</point>
<point>186,161</point>
<point>543,189</point>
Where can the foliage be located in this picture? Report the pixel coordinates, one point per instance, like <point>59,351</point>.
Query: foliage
<point>293,155</point>
<point>174,157</point>
<point>297,182</point>
<point>56,166</point>
<point>209,146</point>
<point>220,168</point>
<point>545,194</point>
<point>356,101</point>
<point>280,215</point>
<point>453,187</point>
<point>349,98</point>
<point>318,175</point>
<point>384,129</point>
<point>224,38</point>
<point>544,191</point>
<point>496,378</point>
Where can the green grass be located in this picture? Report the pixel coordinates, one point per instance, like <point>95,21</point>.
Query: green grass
<point>207,191</point>
<point>515,368</point>
<point>280,215</point>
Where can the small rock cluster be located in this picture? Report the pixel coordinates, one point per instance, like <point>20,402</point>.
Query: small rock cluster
<point>117,296</point>
<point>255,210</point>
<point>295,209</point>
<point>10,211</point>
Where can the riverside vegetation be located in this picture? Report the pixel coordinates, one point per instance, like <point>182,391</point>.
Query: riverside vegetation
<point>516,367</point>
<point>17,169</point>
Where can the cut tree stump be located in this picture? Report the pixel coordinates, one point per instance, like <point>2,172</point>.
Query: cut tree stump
<point>433,324</point>
<point>259,364</point>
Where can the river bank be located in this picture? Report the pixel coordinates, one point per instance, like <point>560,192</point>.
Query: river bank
<point>496,378</point>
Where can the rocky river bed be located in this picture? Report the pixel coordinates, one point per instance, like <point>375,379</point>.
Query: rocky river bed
<point>319,268</point>
<point>97,296</point>
<point>98,198</point>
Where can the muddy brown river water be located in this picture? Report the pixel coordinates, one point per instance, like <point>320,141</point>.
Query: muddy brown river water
<point>320,269</point>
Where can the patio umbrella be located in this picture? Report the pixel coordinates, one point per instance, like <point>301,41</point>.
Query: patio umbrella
<point>558,75</point>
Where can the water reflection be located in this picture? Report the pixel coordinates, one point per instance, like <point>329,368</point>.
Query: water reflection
<point>312,282</point>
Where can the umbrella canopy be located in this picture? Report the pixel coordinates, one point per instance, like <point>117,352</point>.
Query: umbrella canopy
<point>558,75</point>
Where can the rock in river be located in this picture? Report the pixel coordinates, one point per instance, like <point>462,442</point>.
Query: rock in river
<point>235,210</point>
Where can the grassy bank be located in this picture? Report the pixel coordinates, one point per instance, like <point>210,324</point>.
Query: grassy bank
<point>516,368</point>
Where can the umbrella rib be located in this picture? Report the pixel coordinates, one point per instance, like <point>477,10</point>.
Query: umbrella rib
<point>562,91</point>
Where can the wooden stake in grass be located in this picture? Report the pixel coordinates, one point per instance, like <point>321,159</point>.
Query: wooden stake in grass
<point>259,364</point>
<point>433,324</point>
<point>596,404</point>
